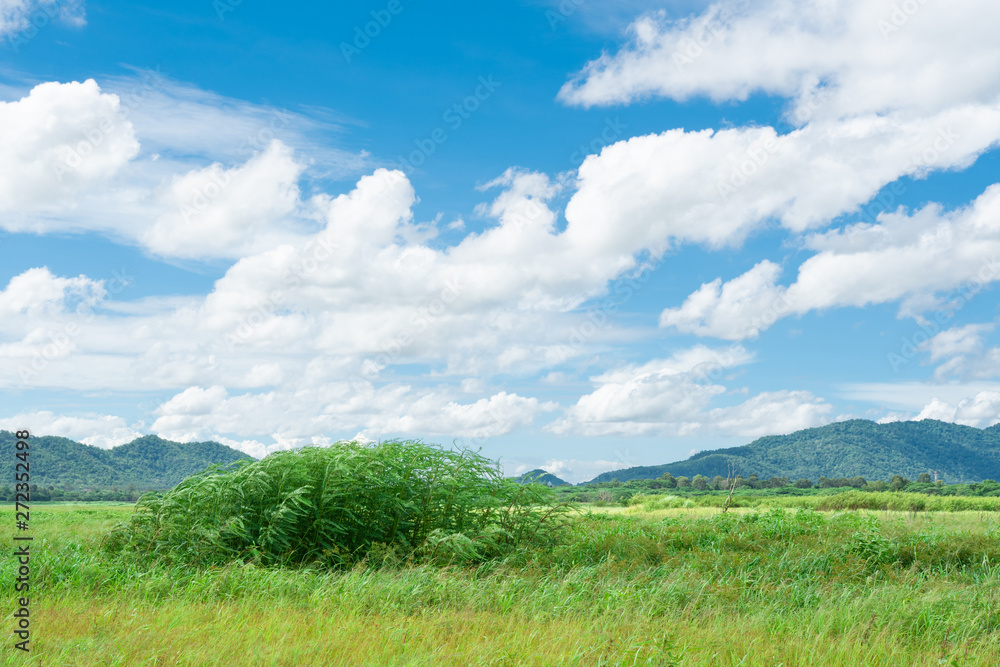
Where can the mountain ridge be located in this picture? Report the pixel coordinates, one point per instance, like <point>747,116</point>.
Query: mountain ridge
<point>857,447</point>
<point>148,462</point>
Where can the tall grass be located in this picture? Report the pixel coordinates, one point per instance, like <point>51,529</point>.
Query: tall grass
<point>334,506</point>
<point>686,586</point>
<point>847,500</point>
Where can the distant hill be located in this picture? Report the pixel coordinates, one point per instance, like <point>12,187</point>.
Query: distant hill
<point>148,462</point>
<point>847,449</point>
<point>539,475</point>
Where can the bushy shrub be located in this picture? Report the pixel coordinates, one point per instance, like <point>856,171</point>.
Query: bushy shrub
<point>333,506</point>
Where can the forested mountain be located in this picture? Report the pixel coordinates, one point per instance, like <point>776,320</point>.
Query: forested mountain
<point>542,477</point>
<point>148,462</point>
<point>848,449</point>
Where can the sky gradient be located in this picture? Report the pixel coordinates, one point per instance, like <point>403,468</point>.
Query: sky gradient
<point>579,235</point>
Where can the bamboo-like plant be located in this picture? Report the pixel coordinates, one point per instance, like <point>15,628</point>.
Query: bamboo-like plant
<point>333,506</point>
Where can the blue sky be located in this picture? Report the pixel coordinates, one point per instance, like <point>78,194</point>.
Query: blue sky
<point>580,235</point>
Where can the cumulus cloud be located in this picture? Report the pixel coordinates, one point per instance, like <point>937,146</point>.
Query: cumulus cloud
<point>980,410</point>
<point>956,341</point>
<point>58,141</point>
<point>902,257</point>
<point>216,177</point>
<point>716,187</point>
<point>217,212</point>
<point>104,431</point>
<point>738,309</point>
<point>864,57</point>
<point>673,396</point>
<point>866,110</point>
<point>24,16</point>
<point>297,418</point>
<point>38,291</point>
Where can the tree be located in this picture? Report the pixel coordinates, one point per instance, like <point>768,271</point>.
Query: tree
<point>924,478</point>
<point>700,482</point>
<point>719,483</point>
<point>683,482</point>
<point>803,484</point>
<point>779,482</point>
<point>898,483</point>
<point>668,480</point>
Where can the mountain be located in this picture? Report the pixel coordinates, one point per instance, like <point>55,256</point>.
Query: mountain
<point>539,475</point>
<point>148,462</point>
<point>848,449</point>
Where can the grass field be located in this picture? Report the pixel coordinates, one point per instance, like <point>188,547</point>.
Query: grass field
<point>627,586</point>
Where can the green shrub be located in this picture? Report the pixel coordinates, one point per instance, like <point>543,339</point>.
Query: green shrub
<point>334,506</point>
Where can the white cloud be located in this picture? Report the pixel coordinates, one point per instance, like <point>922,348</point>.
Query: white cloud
<point>573,471</point>
<point>37,291</point>
<point>980,410</point>
<point>673,397</point>
<point>865,57</point>
<point>58,141</point>
<point>957,341</point>
<point>24,16</point>
<point>716,187</point>
<point>874,111</point>
<point>913,397</point>
<point>902,257</point>
<point>295,418</point>
<point>217,212</point>
<point>104,431</point>
<point>738,309</point>
<point>215,179</point>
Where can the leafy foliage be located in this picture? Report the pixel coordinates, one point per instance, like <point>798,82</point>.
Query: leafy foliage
<point>338,505</point>
<point>856,448</point>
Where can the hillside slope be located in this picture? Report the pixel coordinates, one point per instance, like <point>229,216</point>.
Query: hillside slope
<point>148,462</point>
<point>847,449</point>
<point>542,477</point>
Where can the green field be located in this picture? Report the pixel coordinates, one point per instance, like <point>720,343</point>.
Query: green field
<point>625,586</point>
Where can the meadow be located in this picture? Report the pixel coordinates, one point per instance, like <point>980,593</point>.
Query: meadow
<point>646,584</point>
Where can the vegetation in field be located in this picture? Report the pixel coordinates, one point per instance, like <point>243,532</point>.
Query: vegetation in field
<point>626,587</point>
<point>337,505</point>
<point>409,554</point>
<point>753,492</point>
